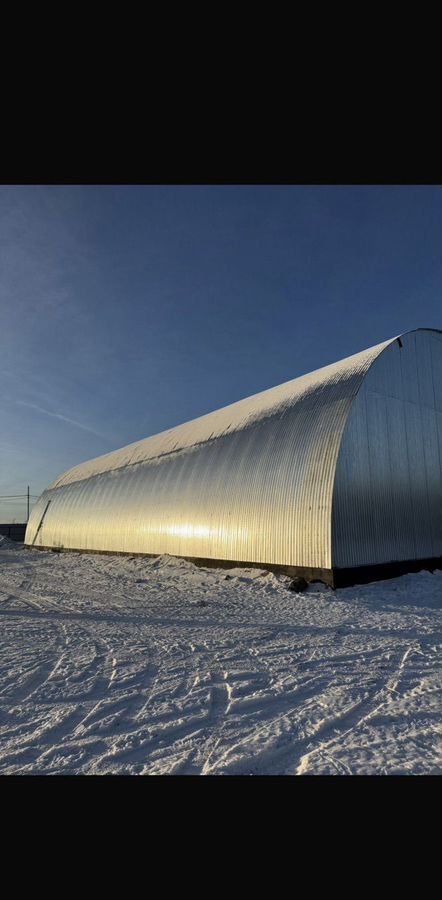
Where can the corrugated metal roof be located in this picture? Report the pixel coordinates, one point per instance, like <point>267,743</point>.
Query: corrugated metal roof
<point>344,375</point>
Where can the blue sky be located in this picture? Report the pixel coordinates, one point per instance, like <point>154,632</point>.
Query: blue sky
<point>127,310</point>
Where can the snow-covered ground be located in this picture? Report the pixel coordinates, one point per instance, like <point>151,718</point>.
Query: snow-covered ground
<point>135,666</point>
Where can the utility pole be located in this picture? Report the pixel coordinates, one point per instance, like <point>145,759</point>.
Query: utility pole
<point>28,505</point>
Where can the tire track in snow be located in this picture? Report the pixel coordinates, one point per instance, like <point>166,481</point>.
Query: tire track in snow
<point>198,762</point>
<point>165,705</point>
<point>31,683</point>
<point>43,673</point>
<point>353,720</point>
<point>290,757</point>
<point>286,705</point>
<point>154,737</point>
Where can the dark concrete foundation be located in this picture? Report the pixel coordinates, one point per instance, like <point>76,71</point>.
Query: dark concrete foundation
<point>324,575</point>
<point>365,574</point>
<point>335,578</point>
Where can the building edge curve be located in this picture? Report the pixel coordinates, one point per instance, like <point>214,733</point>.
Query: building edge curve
<point>392,442</point>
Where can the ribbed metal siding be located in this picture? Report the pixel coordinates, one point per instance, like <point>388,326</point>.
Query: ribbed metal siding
<point>252,482</point>
<point>387,502</point>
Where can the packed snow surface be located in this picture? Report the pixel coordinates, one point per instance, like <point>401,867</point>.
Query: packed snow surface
<point>7,544</point>
<point>154,666</point>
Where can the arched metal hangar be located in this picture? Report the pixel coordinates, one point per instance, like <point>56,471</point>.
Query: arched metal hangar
<point>336,475</point>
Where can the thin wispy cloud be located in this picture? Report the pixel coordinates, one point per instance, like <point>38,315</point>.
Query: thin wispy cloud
<point>136,307</point>
<point>53,415</point>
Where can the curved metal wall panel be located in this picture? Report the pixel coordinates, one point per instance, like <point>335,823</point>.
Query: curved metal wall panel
<point>252,482</point>
<point>387,501</point>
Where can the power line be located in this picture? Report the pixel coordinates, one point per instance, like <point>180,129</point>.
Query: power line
<point>32,498</point>
<point>16,496</point>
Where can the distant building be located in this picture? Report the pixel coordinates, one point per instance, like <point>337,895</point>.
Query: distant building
<point>336,475</point>
<point>13,530</point>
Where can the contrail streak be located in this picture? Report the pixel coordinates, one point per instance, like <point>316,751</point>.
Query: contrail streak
<point>62,418</point>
